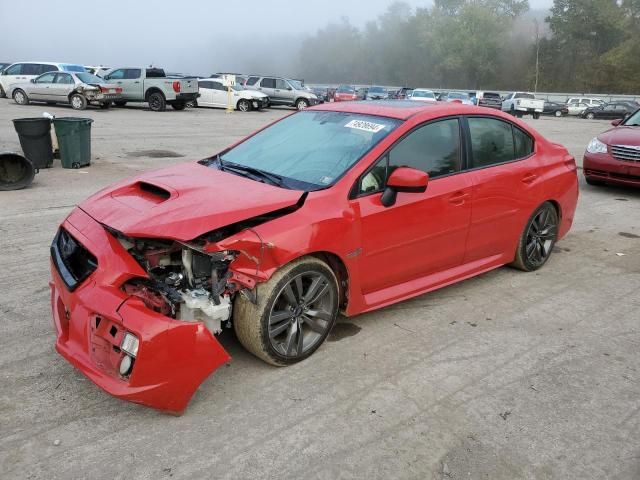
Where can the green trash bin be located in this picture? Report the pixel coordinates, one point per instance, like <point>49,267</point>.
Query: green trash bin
<point>74,141</point>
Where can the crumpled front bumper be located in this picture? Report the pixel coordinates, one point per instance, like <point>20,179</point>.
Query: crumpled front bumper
<point>173,358</point>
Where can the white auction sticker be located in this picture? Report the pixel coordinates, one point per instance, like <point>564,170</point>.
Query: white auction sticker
<point>366,126</point>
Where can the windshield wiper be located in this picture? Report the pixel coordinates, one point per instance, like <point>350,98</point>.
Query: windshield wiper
<point>251,172</point>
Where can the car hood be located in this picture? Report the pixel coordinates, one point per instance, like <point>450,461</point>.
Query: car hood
<point>621,136</point>
<point>252,94</point>
<point>184,201</point>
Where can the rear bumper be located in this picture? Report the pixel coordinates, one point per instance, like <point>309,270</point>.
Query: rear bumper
<point>603,167</point>
<point>186,97</point>
<point>173,357</point>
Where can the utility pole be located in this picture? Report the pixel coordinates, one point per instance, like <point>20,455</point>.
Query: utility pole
<point>537,31</point>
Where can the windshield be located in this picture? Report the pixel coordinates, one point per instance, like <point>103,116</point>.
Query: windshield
<point>296,85</point>
<point>633,120</point>
<point>459,95</point>
<point>422,94</point>
<point>237,88</point>
<point>88,78</point>
<point>313,149</point>
<point>376,90</point>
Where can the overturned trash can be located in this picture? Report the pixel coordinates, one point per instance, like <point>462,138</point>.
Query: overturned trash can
<point>16,172</point>
<point>35,140</point>
<point>74,141</point>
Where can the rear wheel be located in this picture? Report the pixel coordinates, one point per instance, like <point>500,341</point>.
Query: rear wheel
<point>2,92</point>
<point>78,102</point>
<point>538,238</point>
<point>295,311</point>
<point>20,97</point>
<point>244,105</point>
<point>119,103</point>
<point>536,115</point>
<point>558,113</point>
<point>157,102</point>
<point>105,105</point>
<point>590,116</point>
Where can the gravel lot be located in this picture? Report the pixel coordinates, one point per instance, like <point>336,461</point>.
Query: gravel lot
<point>505,376</point>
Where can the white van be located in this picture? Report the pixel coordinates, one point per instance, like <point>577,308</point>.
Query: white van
<point>24,71</point>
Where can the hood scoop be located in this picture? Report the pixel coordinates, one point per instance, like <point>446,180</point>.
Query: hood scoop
<point>142,195</point>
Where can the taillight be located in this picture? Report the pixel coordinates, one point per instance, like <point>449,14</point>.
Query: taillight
<point>176,87</point>
<point>104,90</point>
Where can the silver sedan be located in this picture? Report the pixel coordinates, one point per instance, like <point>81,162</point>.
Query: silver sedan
<point>75,88</point>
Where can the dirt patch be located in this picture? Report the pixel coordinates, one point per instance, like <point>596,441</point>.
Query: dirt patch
<point>155,154</point>
<point>343,330</point>
<point>628,235</point>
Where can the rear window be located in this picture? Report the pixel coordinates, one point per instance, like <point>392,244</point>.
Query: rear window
<point>88,78</point>
<point>151,73</point>
<point>345,89</point>
<point>491,95</point>
<point>525,95</point>
<point>72,68</point>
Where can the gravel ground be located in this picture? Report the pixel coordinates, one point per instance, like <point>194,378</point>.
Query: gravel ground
<point>504,376</point>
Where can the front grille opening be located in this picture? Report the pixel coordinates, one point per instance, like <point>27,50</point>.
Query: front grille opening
<point>98,320</point>
<point>113,331</point>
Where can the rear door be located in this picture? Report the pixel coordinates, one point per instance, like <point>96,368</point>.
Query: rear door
<point>205,88</point>
<point>63,85</point>
<point>507,186</point>
<point>268,86</point>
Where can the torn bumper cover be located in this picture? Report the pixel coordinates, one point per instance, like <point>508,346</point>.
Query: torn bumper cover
<point>92,316</point>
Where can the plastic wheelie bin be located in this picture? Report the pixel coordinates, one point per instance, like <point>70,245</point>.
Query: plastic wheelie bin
<point>74,141</point>
<point>35,140</point>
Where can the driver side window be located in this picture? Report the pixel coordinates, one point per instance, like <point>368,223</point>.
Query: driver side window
<point>46,78</point>
<point>433,148</point>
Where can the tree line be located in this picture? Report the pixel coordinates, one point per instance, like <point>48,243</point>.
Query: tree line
<point>579,46</point>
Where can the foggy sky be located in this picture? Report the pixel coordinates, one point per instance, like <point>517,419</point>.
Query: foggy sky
<point>194,36</point>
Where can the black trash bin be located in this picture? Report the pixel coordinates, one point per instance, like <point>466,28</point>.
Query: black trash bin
<point>35,140</point>
<point>74,141</point>
<point>16,172</point>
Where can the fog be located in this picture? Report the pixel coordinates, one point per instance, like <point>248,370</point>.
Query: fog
<point>196,37</point>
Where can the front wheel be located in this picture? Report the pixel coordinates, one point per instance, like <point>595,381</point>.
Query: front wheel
<point>558,113</point>
<point>244,105</point>
<point>20,97</point>
<point>295,311</point>
<point>302,104</point>
<point>78,102</point>
<point>179,106</point>
<point>537,239</point>
<point>590,116</point>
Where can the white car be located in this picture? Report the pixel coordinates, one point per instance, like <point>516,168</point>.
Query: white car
<point>577,105</point>
<point>423,95</point>
<point>22,72</point>
<point>213,93</point>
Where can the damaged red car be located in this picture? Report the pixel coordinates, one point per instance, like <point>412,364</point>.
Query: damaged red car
<point>341,208</point>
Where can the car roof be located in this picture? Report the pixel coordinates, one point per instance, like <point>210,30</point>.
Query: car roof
<point>402,109</point>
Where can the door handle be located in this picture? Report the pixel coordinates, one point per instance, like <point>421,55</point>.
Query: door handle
<point>529,178</point>
<point>458,198</point>
<point>136,81</point>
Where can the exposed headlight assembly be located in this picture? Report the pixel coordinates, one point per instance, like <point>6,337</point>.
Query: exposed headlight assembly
<point>129,344</point>
<point>596,146</point>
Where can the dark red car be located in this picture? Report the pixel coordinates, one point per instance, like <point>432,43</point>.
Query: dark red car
<point>341,208</point>
<point>345,93</point>
<point>614,155</point>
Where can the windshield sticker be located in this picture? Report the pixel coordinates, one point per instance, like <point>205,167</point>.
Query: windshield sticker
<point>326,180</point>
<point>366,126</point>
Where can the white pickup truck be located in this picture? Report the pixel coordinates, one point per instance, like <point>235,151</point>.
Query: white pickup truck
<point>522,103</point>
<point>151,85</point>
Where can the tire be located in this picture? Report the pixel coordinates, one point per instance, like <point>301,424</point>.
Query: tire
<point>536,115</point>
<point>179,106</point>
<point>285,346</point>
<point>590,116</point>
<point>105,105</point>
<point>192,104</point>
<point>558,113</point>
<point>78,102</point>
<point>3,94</point>
<point>20,97</point>
<point>119,103</point>
<point>244,105</point>
<point>594,183</point>
<point>157,102</point>
<point>538,238</point>
<point>302,104</point>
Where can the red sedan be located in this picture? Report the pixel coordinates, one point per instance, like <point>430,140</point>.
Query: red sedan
<point>341,208</point>
<point>614,156</point>
<point>345,93</point>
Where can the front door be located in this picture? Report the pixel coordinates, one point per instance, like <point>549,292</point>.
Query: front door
<point>422,233</point>
<point>41,88</point>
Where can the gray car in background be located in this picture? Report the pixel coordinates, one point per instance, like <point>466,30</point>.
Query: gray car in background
<point>77,89</point>
<point>283,91</point>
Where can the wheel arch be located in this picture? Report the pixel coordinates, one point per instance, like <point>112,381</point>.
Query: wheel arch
<point>151,90</point>
<point>339,268</point>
